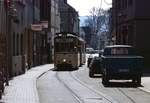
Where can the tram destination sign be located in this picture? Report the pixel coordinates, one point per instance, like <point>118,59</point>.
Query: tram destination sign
<point>64,40</point>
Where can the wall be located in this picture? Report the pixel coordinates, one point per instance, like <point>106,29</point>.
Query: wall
<point>55,24</point>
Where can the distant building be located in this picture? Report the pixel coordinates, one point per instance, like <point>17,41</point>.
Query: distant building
<point>131,24</point>
<point>3,39</point>
<point>88,34</point>
<point>54,25</point>
<point>69,18</point>
<point>45,18</point>
<point>82,33</point>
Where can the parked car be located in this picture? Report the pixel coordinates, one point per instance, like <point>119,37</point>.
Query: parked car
<point>100,52</point>
<point>95,66</point>
<point>120,62</point>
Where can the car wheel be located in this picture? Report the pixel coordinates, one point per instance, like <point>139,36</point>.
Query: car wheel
<point>1,94</point>
<point>91,74</point>
<point>139,80</point>
<point>134,80</point>
<point>105,80</point>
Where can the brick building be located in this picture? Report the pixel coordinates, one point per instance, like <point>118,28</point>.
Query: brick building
<point>3,39</point>
<point>69,18</point>
<point>131,24</point>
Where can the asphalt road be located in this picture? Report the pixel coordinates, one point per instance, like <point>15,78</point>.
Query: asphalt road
<point>121,91</point>
<point>78,87</point>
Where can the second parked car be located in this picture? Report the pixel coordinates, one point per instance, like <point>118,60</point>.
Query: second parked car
<point>95,66</point>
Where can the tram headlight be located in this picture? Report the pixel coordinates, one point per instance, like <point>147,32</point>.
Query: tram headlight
<point>64,60</point>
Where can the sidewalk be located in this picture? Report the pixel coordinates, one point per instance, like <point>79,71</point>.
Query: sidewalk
<point>22,89</point>
<point>146,84</point>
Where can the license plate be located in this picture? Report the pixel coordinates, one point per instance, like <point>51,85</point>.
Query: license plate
<point>123,70</point>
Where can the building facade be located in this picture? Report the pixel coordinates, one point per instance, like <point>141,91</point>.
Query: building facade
<point>69,18</point>
<point>3,39</point>
<point>21,46</point>
<point>20,39</point>
<point>88,35</point>
<point>131,24</point>
<point>45,8</point>
<point>54,25</point>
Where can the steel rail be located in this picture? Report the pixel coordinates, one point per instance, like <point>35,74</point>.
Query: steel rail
<point>111,100</point>
<point>79,100</point>
<point>101,93</point>
<point>126,95</point>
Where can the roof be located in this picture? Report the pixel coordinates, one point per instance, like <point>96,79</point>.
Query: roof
<point>118,46</point>
<point>66,33</point>
<point>69,34</point>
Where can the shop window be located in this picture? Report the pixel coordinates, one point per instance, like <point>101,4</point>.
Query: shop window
<point>14,44</point>
<point>130,2</point>
<point>17,44</point>
<point>21,44</point>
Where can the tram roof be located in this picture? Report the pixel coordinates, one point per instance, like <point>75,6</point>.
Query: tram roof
<point>81,39</point>
<point>67,33</point>
<point>72,34</point>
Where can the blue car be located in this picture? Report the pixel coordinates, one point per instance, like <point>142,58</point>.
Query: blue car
<point>120,62</point>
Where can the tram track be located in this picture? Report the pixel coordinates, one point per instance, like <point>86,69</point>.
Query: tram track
<point>78,99</point>
<point>129,97</point>
<point>101,94</point>
<point>96,97</point>
<point>119,89</point>
<point>76,86</point>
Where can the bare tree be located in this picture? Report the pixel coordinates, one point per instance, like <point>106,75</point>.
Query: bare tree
<point>98,22</point>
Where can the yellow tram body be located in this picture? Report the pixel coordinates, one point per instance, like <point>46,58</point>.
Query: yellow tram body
<point>69,50</point>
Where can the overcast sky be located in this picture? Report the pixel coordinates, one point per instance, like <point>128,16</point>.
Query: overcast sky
<point>84,6</point>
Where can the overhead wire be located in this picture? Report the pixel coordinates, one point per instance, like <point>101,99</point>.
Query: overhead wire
<point>107,2</point>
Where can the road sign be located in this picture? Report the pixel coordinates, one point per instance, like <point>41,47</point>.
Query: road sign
<point>44,24</point>
<point>36,27</point>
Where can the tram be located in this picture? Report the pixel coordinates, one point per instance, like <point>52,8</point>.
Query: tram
<point>69,51</point>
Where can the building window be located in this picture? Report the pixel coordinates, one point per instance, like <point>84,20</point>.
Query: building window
<point>17,44</point>
<point>130,2</point>
<point>119,4</point>
<point>124,4</point>
<point>21,44</point>
<point>22,19</point>
<point>14,44</point>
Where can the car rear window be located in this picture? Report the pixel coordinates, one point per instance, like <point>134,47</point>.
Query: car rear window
<point>119,51</point>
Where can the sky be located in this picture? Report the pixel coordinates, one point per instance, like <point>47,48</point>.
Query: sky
<point>84,6</point>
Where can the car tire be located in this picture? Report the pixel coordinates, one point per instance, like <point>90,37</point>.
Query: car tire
<point>105,80</point>
<point>139,80</point>
<point>1,94</point>
<point>91,74</point>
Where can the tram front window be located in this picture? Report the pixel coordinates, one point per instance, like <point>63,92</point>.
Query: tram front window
<point>65,47</point>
